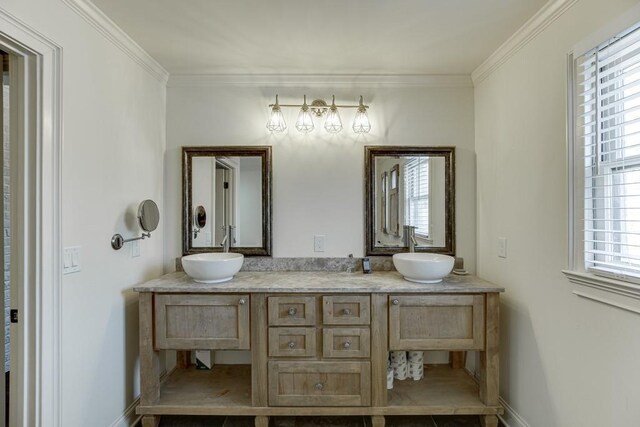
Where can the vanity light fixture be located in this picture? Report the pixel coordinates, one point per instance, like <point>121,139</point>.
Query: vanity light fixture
<point>305,121</point>
<point>333,122</point>
<point>276,122</point>
<point>361,123</point>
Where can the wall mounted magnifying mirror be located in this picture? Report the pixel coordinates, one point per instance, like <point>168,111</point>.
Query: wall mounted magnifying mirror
<point>226,194</point>
<point>409,187</point>
<point>148,218</point>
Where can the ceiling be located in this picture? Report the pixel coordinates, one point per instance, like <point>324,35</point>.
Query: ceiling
<point>320,37</point>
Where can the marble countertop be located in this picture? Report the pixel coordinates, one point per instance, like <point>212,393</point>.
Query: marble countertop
<point>316,282</point>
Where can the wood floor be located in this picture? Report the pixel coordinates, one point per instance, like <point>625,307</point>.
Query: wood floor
<point>398,421</point>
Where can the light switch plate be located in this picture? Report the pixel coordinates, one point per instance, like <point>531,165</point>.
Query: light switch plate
<point>502,247</point>
<point>71,260</point>
<point>318,243</point>
<point>135,248</point>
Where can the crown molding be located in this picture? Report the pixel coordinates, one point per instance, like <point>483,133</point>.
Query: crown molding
<point>112,32</point>
<point>534,26</point>
<point>318,80</point>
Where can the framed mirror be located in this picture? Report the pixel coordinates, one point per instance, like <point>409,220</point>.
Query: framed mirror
<point>226,199</point>
<point>409,188</point>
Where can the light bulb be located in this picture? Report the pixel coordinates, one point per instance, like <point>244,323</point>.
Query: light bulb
<point>276,122</point>
<point>305,121</point>
<point>361,123</point>
<point>333,123</point>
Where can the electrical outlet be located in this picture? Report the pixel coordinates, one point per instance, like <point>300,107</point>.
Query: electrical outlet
<point>502,247</point>
<point>318,243</point>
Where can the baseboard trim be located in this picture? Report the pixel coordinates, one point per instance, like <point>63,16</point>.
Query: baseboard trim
<point>511,418</point>
<point>129,418</point>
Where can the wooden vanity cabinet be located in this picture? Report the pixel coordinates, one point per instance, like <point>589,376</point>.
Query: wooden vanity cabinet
<point>201,322</point>
<point>322,352</point>
<point>436,322</point>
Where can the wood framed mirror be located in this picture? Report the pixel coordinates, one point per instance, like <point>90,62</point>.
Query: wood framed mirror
<point>233,185</point>
<point>409,187</point>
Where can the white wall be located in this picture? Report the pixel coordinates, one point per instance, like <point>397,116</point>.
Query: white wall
<point>565,361</point>
<point>318,178</point>
<point>114,141</point>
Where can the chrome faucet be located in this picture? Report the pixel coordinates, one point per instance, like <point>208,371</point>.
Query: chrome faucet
<point>225,239</point>
<point>410,237</point>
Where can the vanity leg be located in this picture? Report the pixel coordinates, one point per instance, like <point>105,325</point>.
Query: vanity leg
<point>490,357</point>
<point>262,421</point>
<point>488,421</point>
<point>377,421</point>
<point>150,421</point>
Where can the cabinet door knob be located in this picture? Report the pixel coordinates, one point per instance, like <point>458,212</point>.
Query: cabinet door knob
<point>292,311</point>
<point>347,345</point>
<point>395,302</point>
<point>319,386</point>
<point>292,344</point>
<point>242,301</point>
<point>347,312</point>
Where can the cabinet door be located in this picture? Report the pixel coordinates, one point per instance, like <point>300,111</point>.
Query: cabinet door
<point>319,383</point>
<point>436,322</point>
<point>201,322</point>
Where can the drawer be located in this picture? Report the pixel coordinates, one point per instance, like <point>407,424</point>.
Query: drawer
<point>346,310</point>
<point>292,342</point>
<point>292,311</point>
<point>346,342</point>
<point>436,322</point>
<point>201,322</point>
<point>319,383</point>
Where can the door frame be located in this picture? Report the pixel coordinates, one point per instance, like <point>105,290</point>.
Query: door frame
<point>36,139</point>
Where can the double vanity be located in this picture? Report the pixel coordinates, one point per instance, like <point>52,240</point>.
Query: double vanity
<point>319,344</point>
<point>319,341</point>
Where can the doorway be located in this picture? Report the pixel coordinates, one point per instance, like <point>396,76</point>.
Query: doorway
<point>35,134</point>
<point>5,125</point>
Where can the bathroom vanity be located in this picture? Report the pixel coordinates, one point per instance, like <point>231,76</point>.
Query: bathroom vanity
<point>319,344</point>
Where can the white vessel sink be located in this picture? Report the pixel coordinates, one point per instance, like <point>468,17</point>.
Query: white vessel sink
<point>212,267</point>
<point>423,267</point>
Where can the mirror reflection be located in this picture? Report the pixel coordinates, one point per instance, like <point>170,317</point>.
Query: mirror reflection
<point>227,199</point>
<point>410,199</point>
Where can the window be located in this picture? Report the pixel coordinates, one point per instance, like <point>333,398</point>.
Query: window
<point>607,148</point>
<point>416,178</point>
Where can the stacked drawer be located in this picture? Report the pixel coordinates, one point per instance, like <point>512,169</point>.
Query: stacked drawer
<point>319,331</point>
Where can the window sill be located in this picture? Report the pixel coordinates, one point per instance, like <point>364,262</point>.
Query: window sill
<point>608,291</point>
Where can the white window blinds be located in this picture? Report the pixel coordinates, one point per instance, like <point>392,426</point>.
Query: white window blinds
<point>608,129</point>
<point>416,179</point>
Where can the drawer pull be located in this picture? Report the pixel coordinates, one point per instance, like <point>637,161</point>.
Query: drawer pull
<point>292,344</point>
<point>292,311</point>
<point>319,386</point>
<point>347,345</point>
<point>242,301</point>
<point>395,302</point>
<point>346,312</point>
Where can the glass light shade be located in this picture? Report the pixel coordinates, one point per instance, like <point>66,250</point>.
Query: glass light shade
<point>361,123</point>
<point>333,123</point>
<point>305,121</point>
<point>276,122</point>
